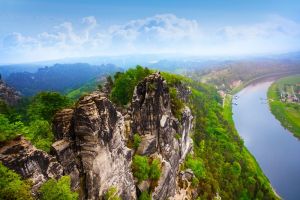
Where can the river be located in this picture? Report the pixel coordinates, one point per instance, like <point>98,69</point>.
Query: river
<point>276,150</point>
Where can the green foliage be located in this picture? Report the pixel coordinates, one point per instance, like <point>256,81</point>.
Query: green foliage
<point>88,87</point>
<point>109,81</point>
<point>173,81</point>
<point>4,108</point>
<point>112,194</point>
<point>195,182</point>
<point>155,169</point>
<point>236,168</point>
<point>196,165</point>
<point>45,104</point>
<point>140,167</point>
<point>124,84</point>
<point>12,187</point>
<point>58,190</point>
<point>32,119</point>
<point>176,104</point>
<point>9,130</point>
<point>144,196</point>
<point>144,168</point>
<point>40,134</point>
<point>136,140</point>
<point>178,136</point>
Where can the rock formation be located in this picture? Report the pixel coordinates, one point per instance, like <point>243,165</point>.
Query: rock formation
<point>92,146</point>
<point>152,118</point>
<point>31,163</point>
<point>91,143</point>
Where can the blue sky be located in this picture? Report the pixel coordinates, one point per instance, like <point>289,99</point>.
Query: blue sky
<point>35,30</point>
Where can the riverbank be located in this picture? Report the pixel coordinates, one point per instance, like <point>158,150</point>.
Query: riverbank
<point>274,147</point>
<point>288,113</point>
<point>228,115</point>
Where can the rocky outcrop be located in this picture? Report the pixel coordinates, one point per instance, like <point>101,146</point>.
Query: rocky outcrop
<point>91,143</point>
<point>92,146</point>
<point>105,159</point>
<point>152,118</point>
<point>62,124</point>
<point>67,157</point>
<point>8,94</point>
<point>22,157</point>
<point>184,188</point>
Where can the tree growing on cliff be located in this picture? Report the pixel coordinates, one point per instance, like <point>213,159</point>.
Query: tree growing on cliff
<point>136,140</point>
<point>58,190</point>
<point>155,166</point>
<point>12,187</point>
<point>124,84</point>
<point>112,194</point>
<point>140,167</point>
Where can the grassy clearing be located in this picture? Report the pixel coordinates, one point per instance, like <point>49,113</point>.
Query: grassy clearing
<point>287,113</point>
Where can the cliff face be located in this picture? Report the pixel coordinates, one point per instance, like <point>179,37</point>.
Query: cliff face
<point>152,118</point>
<point>92,146</point>
<point>91,143</point>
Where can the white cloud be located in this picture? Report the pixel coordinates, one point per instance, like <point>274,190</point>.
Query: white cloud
<point>164,33</point>
<point>276,26</point>
<point>90,21</point>
<point>164,28</point>
<point>14,40</point>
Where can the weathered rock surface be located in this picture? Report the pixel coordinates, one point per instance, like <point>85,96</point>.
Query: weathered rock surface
<point>92,146</point>
<point>67,157</point>
<point>184,189</point>
<point>22,157</point>
<point>8,94</point>
<point>153,120</point>
<point>62,124</point>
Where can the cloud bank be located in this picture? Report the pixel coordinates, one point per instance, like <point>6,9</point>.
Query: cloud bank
<point>164,33</point>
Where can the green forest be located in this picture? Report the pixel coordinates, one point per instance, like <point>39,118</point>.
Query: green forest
<point>221,163</point>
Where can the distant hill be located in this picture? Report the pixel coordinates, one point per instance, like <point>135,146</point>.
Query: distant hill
<point>6,70</point>
<point>86,88</point>
<point>59,77</point>
<point>235,75</point>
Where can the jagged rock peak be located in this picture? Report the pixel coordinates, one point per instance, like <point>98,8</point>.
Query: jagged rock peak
<point>94,132</point>
<point>153,120</point>
<point>151,96</point>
